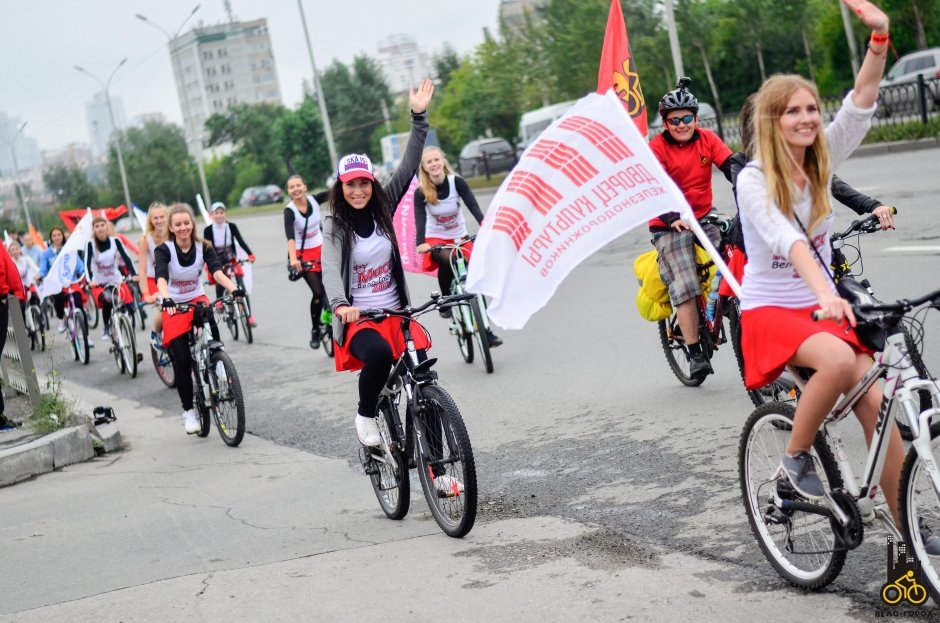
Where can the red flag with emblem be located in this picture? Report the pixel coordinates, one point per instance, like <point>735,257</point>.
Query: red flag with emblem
<point>617,70</point>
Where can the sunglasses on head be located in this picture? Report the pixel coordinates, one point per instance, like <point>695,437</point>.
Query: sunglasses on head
<point>686,119</point>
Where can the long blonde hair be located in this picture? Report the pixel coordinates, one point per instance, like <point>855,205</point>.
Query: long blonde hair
<point>156,205</point>
<point>776,158</point>
<point>427,186</point>
<point>183,208</point>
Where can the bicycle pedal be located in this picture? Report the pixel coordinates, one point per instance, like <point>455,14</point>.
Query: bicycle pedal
<point>140,357</point>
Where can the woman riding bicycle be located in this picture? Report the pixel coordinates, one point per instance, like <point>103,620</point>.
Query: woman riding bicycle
<point>439,194</point>
<point>304,246</point>
<point>362,267</point>
<point>101,264</point>
<point>156,234</point>
<point>29,274</point>
<point>56,241</point>
<point>178,264</point>
<point>224,237</point>
<point>783,197</point>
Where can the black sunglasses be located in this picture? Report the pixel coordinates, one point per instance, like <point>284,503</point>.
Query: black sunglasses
<point>686,119</point>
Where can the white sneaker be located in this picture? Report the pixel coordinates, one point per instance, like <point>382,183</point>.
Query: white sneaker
<point>447,486</point>
<point>368,431</point>
<point>191,422</point>
<point>105,336</point>
<point>61,328</point>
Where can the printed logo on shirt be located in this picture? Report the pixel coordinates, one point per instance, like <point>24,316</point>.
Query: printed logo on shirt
<point>447,222</point>
<point>183,286</point>
<point>377,279</point>
<point>706,161</point>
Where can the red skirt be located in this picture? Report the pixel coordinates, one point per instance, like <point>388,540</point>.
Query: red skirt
<point>311,255</point>
<point>389,329</point>
<point>770,337</point>
<point>736,262</point>
<point>430,264</point>
<point>124,291</point>
<point>152,285</point>
<point>179,323</point>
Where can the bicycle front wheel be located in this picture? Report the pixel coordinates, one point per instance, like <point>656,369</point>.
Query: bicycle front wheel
<point>243,320</point>
<point>163,366</point>
<point>920,513</point>
<point>389,469</point>
<point>483,340</point>
<point>80,341</point>
<point>459,328</point>
<point>231,322</point>
<point>801,546</point>
<point>677,354</point>
<point>128,345</point>
<point>91,309</point>
<point>228,406</point>
<point>447,471</point>
<point>328,340</point>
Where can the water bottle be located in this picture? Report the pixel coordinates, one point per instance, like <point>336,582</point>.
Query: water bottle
<point>713,297</point>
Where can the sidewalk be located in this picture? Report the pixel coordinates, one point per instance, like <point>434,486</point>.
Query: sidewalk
<point>26,453</point>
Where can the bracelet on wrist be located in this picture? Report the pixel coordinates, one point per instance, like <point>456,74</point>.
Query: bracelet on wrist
<point>879,38</point>
<point>876,52</point>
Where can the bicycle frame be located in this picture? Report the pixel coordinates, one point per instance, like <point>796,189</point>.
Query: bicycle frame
<point>458,264</point>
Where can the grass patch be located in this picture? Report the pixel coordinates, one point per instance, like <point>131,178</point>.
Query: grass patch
<point>477,183</point>
<point>907,131</point>
<point>53,411</point>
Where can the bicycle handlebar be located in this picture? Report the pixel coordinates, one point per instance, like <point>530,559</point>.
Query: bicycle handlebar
<point>185,307</point>
<point>457,244</point>
<point>897,308</point>
<point>867,225</point>
<point>411,312</point>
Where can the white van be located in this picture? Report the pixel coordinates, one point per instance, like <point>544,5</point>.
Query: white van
<point>534,122</point>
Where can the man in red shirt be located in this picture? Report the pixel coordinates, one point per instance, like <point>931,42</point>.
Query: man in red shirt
<point>687,153</point>
<point>10,283</point>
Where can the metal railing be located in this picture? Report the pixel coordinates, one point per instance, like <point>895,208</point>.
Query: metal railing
<point>16,364</point>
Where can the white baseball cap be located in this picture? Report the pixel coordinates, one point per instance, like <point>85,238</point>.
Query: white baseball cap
<point>353,166</point>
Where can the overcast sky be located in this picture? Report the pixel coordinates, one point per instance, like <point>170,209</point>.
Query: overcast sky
<point>42,41</point>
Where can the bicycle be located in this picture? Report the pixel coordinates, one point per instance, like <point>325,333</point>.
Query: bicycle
<point>237,312</point>
<point>807,542</point>
<point>92,313</point>
<point>326,332</point>
<point>36,323</point>
<point>711,332</point>
<point>432,438</point>
<point>163,364</point>
<point>123,340</point>
<point>217,390</point>
<point>469,321</point>
<point>137,314</point>
<point>76,327</point>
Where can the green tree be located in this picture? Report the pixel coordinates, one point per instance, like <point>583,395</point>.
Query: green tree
<point>354,97</point>
<point>300,138</point>
<point>445,63</point>
<point>159,167</point>
<point>250,129</point>
<point>71,187</point>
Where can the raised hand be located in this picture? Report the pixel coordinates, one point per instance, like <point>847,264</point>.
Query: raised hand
<point>869,14</point>
<point>419,99</point>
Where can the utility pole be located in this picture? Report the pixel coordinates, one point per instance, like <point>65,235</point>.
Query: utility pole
<point>16,176</point>
<point>117,142</point>
<point>324,114</point>
<point>191,141</point>
<point>674,40</point>
<point>850,37</point>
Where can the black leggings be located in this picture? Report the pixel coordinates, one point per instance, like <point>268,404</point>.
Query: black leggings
<point>183,365</point>
<point>315,283</point>
<point>59,300</point>
<point>376,354</point>
<point>445,274</point>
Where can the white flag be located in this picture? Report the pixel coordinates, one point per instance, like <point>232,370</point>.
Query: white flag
<point>589,178</point>
<point>62,272</point>
<point>202,210</point>
<point>141,217</point>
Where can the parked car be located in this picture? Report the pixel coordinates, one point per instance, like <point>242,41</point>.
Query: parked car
<point>899,88</point>
<point>261,195</point>
<point>705,113</point>
<point>498,154</point>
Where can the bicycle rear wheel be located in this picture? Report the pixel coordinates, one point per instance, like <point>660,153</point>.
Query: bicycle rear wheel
<point>43,324</point>
<point>163,366</point>
<point>483,340</point>
<point>116,344</point>
<point>448,477</point>
<point>80,342</point>
<point>128,345</point>
<point>778,391</point>
<point>328,340</point>
<point>801,546</point>
<point>199,404</point>
<point>677,354</point>
<point>388,470</point>
<point>920,512</point>
<point>243,319</point>
<point>228,406</point>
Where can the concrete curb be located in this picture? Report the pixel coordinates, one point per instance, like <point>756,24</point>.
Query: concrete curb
<point>878,149</point>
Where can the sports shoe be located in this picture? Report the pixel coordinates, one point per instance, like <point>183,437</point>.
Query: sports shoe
<point>91,343</point>
<point>931,541</point>
<point>251,321</point>
<point>191,422</point>
<point>801,472</point>
<point>106,334</point>
<point>61,327</point>
<point>156,340</point>
<point>493,339</point>
<point>446,312</point>
<point>699,366</point>
<point>447,486</point>
<point>315,338</point>
<point>368,431</point>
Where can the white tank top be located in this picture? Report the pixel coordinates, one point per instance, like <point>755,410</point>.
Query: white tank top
<point>313,234</point>
<point>151,245</point>
<point>445,220</point>
<point>104,264</point>
<point>373,281</point>
<point>185,282</point>
<point>27,275</point>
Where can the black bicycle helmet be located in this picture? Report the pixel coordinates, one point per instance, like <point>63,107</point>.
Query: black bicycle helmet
<point>679,99</point>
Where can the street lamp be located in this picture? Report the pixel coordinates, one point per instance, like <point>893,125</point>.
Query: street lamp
<point>16,175</point>
<point>117,143</point>
<point>183,97</point>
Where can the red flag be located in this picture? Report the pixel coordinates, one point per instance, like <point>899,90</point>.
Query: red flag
<point>618,70</point>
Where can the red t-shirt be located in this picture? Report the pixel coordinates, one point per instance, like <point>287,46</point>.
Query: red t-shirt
<point>690,167</point>
<point>10,282</point>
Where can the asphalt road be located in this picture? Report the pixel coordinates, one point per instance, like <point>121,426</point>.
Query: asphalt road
<point>582,420</point>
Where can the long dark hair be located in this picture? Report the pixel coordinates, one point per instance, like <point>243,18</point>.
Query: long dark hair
<point>379,207</point>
